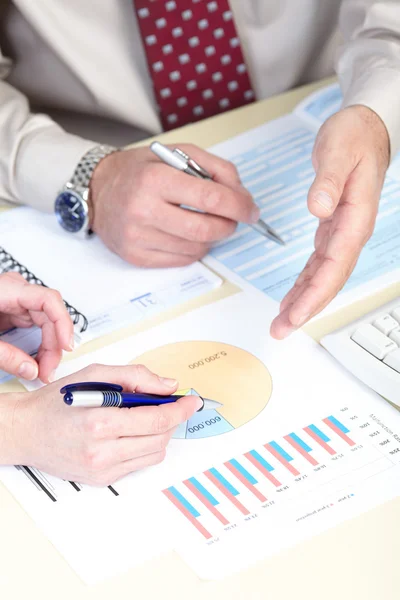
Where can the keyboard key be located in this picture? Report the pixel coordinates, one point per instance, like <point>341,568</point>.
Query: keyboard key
<point>386,324</point>
<point>371,339</point>
<point>395,336</point>
<point>393,360</point>
<point>396,313</point>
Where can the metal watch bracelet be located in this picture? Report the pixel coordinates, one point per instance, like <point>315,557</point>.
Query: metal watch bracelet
<point>83,173</point>
<point>87,164</point>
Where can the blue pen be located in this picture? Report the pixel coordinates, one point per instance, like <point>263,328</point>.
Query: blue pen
<point>92,394</point>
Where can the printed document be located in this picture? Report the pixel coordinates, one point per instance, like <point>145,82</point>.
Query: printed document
<point>283,458</point>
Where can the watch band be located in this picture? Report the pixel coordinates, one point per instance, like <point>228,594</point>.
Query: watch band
<point>88,163</point>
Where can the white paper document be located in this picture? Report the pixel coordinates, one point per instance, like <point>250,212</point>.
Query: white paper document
<point>111,293</point>
<point>296,447</point>
<point>274,163</point>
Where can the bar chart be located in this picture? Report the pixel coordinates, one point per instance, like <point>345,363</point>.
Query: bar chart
<point>319,456</point>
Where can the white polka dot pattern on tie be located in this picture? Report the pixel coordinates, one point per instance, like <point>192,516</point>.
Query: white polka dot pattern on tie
<point>195,58</point>
<point>184,58</point>
<point>143,13</point>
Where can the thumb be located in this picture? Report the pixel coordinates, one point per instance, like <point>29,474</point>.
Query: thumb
<point>333,169</point>
<point>16,362</point>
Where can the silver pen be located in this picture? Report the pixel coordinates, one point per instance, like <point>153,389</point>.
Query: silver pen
<point>180,160</point>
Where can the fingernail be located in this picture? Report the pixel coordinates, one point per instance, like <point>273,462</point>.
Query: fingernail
<point>71,345</point>
<point>28,371</point>
<point>52,376</point>
<point>284,331</point>
<point>199,403</point>
<point>169,382</point>
<point>301,320</point>
<point>287,332</point>
<point>255,214</point>
<point>324,200</point>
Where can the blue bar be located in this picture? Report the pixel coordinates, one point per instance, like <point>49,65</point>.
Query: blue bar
<point>281,451</point>
<point>203,491</point>
<point>261,460</point>
<point>300,442</point>
<point>319,433</point>
<point>184,502</point>
<point>338,424</point>
<point>243,471</point>
<point>224,482</point>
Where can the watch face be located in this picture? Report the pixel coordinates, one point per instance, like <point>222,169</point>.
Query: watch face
<point>70,211</point>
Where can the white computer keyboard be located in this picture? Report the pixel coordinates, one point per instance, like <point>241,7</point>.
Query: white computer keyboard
<point>370,349</point>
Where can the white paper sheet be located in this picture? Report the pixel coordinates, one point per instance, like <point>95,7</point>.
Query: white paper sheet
<point>94,528</point>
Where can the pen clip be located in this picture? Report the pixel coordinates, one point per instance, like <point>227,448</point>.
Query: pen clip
<point>91,386</point>
<point>192,164</point>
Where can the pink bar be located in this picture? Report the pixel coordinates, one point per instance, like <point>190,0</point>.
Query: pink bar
<point>187,514</point>
<point>339,432</point>
<point>246,483</point>
<point>262,469</point>
<point>227,493</point>
<point>206,502</point>
<point>317,439</point>
<point>301,450</point>
<point>283,461</point>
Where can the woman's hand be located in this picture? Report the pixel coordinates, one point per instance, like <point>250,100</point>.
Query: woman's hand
<point>96,446</point>
<point>24,305</point>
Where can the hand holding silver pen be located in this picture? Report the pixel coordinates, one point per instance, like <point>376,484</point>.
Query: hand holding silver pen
<point>180,160</point>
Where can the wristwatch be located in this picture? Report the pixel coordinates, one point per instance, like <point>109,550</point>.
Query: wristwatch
<point>72,203</point>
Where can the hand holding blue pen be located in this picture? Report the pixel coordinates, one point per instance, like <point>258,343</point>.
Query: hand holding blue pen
<point>92,394</point>
<point>97,446</point>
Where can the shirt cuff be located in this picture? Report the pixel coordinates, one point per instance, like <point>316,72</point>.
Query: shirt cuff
<point>45,160</point>
<point>379,90</point>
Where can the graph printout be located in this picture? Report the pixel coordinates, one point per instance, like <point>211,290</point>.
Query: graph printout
<point>274,163</point>
<point>285,455</point>
<point>284,490</point>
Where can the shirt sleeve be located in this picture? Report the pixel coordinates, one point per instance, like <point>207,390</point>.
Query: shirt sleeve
<point>368,62</point>
<point>37,157</point>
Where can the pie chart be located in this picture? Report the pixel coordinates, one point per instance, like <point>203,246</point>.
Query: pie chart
<point>234,378</point>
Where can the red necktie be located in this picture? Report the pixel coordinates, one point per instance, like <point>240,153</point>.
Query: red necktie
<point>194,58</point>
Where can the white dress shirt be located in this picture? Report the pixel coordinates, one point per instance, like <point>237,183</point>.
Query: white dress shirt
<point>84,58</point>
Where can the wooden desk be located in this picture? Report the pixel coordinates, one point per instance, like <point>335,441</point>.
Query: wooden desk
<point>357,560</point>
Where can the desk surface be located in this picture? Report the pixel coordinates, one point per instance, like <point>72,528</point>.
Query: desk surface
<point>358,559</point>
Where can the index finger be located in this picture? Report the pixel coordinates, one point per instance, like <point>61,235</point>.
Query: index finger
<point>221,170</point>
<point>342,252</point>
<point>148,420</point>
<point>235,204</point>
<point>36,298</point>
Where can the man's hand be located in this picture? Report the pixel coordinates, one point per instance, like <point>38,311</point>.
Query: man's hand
<point>136,204</point>
<point>24,305</point>
<point>350,157</point>
<point>92,445</point>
